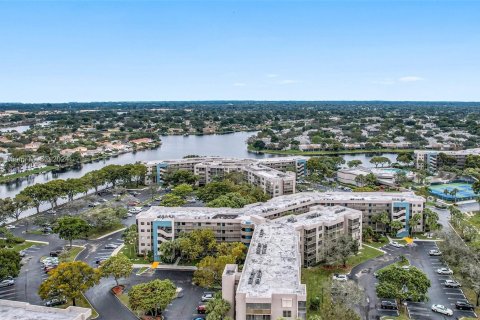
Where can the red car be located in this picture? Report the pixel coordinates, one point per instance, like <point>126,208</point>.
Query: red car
<point>48,269</point>
<point>202,309</point>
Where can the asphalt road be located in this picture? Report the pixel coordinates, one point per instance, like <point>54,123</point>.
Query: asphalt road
<point>418,257</point>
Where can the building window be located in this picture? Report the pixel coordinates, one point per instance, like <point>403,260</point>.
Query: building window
<point>287,313</point>
<point>287,303</point>
<point>142,223</point>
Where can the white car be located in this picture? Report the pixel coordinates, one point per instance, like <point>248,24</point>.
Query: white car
<point>207,296</point>
<point>396,244</point>
<point>444,271</point>
<point>434,253</point>
<point>442,309</point>
<point>452,284</point>
<point>10,226</point>
<point>340,277</point>
<point>111,246</point>
<point>7,282</point>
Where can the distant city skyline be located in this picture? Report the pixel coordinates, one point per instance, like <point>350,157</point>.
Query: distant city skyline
<point>61,51</point>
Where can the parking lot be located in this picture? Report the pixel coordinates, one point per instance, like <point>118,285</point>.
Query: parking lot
<point>438,293</point>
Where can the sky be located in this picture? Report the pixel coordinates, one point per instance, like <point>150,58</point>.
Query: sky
<point>61,51</point>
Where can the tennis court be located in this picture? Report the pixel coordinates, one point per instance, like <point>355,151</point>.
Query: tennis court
<point>464,191</point>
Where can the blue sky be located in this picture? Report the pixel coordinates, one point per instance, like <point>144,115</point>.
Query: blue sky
<point>57,51</point>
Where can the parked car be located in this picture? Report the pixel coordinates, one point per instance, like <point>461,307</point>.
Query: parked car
<point>207,296</point>
<point>7,282</point>
<point>389,305</point>
<point>463,305</point>
<point>340,277</point>
<point>179,292</point>
<point>55,253</point>
<point>100,260</point>
<point>111,246</point>
<point>452,284</point>
<point>22,253</point>
<point>434,253</point>
<point>442,309</point>
<point>55,302</point>
<point>10,226</point>
<point>49,268</point>
<point>94,204</point>
<point>444,271</point>
<point>396,244</point>
<point>47,230</point>
<point>202,309</point>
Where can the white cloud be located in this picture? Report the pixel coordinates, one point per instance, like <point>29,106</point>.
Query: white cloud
<point>288,81</point>
<point>272,75</point>
<point>410,79</point>
<point>239,84</point>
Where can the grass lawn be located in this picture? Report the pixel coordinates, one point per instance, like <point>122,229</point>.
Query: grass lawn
<point>382,241</point>
<point>129,251</point>
<point>37,232</point>
<point>15,176</point>
<point>72,253</point>
<point>81,302</point>
<point>365,254</point>
<point>93,234</point>
<point>27,244</point>
<point>318,279</point>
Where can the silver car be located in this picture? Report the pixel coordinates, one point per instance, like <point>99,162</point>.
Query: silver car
<point>7,282</point>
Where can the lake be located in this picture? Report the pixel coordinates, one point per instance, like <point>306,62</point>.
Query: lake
<point>173,147</point>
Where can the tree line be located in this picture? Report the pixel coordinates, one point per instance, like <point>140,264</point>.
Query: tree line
<point>50,192</point>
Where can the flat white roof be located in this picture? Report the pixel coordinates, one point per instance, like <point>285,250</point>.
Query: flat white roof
<point>319,214</point>
<point>279,203</point>
<point>16,310</point>
<point>273,262</point>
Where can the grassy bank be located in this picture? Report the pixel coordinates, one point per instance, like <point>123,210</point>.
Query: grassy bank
<point>331,152</point>
<point>16,176</point>
<point>72,253</point>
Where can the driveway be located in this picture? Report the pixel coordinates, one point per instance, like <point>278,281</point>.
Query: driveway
<point>180,309</point>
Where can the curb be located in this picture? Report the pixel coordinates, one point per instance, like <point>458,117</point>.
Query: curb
<point>378,249</point>
<point>37,241</point>
<point>116,251</point>
<point>120,301</point>
<point>109,234</point>
<point>89,303</point>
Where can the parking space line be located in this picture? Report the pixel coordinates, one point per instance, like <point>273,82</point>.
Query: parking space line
<point>7,290</point>
<point>7,294</point>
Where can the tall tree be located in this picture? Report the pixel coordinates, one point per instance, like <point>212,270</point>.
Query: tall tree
<point>153,296</point>
<point>21,203</point>
<point>118,266</point>
<point>70,228</point>
<point>354,163</point>
<point>398,283</point>
<point>37,193</point>
<point>7,209</point>
<point>338,252</point>
<point>69,279</point>
<point>209,270</point>
<point>217,309</point>
<point>9,263</point>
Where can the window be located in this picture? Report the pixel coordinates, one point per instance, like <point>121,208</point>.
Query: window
<point>142,230</point>
<point>287,313</point>
<point>142,223</point>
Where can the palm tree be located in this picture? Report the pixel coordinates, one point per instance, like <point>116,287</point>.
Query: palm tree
<point>395,226</point>
<point>385,220</point>
<point>413,222</point>
<point>454,194</point>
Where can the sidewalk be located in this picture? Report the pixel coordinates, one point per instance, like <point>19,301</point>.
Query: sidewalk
<point>166,267</point>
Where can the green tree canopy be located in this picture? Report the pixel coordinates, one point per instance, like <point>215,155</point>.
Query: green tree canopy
<point>69,279</point>
<point>153,296</point>
<point>70,228</point>
<point>9,263</point>
<point>118,266</point>
<point>398,283</point>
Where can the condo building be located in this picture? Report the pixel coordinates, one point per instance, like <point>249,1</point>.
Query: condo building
<point>275,176</point>
<point>430,160</point>
<point>159,224</point>
<point>269,287</point>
